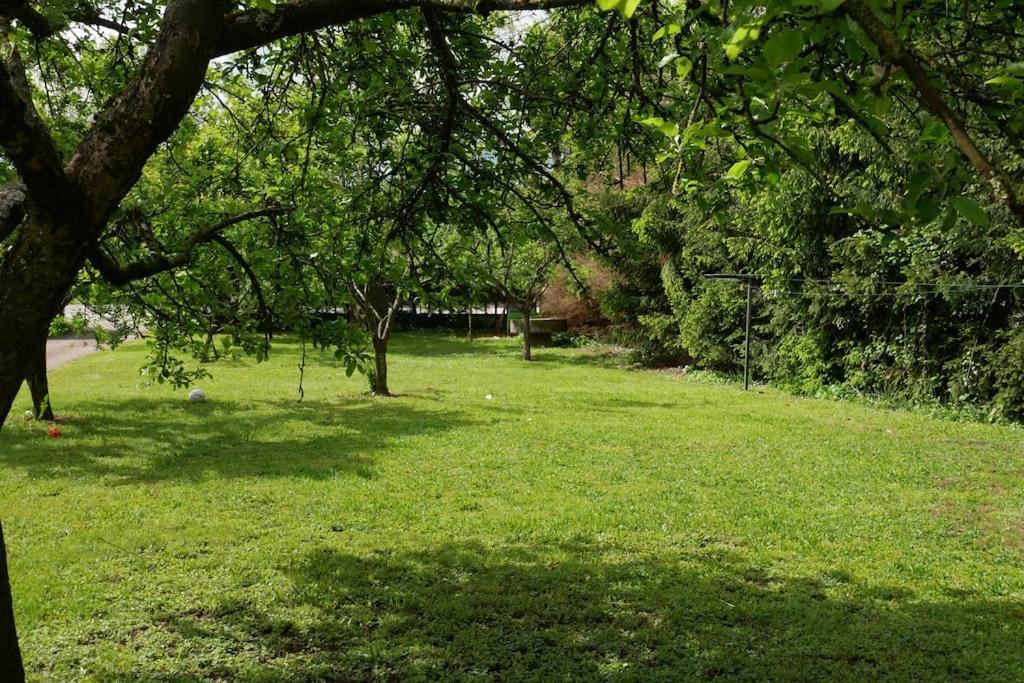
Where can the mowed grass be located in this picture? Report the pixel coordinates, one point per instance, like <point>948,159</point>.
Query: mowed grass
<point>587,522</point>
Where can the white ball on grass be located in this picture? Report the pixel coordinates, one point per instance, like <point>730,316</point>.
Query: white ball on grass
<point>197,396</point>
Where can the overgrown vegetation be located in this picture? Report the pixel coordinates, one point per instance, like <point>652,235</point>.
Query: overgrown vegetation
<point>860,197</point>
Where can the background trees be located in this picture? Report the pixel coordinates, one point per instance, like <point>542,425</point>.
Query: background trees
<point>130,95</point>
<point>136,109</point>
<point>860,164</point>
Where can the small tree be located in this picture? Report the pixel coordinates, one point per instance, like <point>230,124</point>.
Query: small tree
<point>516,260</point>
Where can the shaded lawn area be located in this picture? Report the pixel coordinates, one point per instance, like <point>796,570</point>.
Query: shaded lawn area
<point>587,522</point>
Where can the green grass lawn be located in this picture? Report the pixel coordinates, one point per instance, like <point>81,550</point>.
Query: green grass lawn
<point>587,522</point>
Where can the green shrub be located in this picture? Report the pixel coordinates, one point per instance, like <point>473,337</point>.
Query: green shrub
<point>77,325</point>
<point>799,363</point>
<point>1009,375</point>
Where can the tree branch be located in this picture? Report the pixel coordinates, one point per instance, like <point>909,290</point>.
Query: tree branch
<point>110,157</point>
<point>450,67</point>
<point>24,138</point>
<point>41,26</point>
<point>87,14</point>
<point>119,276</point>
<point>26,15</point>
<point>265,313</point>
<point>252,28</point>
<point>930,96</point>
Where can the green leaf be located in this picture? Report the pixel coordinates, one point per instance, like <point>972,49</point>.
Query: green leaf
<point>741,37</point>
<point>684,65</point>
<point>783,47</point>
<point>665,31</point>
<point>628,7</point>
<point>880,106</point>
<point>935,131</point>
<point>738,170</point>
<point>918,183</point>
<point>669,129</point>
<point>971,210</point>
<point>1008,82</point>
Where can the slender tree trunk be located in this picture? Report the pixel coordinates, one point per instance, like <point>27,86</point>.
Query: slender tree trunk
<point>502,328</point>
<point>208,348</point>
<point>470,314</point>
<point>527,350</point>
<point>39,384</point>
<point>380,357</point>
<point>10,383</point>
<point>10,654</point>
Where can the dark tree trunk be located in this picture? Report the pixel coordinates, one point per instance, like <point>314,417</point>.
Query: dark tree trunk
<point>379,385</point>
<point>527,347</point>
<point>35,277</point>
<point>10,382</point>
<point>39,384</point>
<point>10,654</point>
<point>502,328</point>
<point>470,315</point>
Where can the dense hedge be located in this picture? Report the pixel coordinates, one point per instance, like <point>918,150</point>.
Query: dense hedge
<point>848,304</point>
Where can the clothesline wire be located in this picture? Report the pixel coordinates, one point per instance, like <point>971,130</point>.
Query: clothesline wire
<point>935,285</point>
<point>898,288</point>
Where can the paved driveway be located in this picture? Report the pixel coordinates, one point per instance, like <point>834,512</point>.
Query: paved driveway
<point>66,349</point>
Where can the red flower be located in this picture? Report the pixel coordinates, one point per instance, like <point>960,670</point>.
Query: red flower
<point>54,433</point>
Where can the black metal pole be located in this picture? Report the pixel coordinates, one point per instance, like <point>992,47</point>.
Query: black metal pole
<point>746,344</point>
<point>749,280</point>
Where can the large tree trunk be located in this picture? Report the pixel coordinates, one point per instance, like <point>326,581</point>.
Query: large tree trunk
<point>35,277</point>
<point>527,346</point>
<point>10,654</point>
<point>71,205</point>
<point>39,384</point>
<point>379,385</point>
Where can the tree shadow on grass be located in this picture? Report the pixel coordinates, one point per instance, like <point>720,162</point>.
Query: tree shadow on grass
<point>551,358</point>
<point>151,440</point>
<point>582,612</point>
<point>428,345</point>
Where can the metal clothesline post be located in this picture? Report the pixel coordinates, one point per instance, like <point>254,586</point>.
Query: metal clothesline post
<point>748,281</point>
<point>746,343</point>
